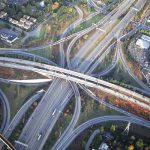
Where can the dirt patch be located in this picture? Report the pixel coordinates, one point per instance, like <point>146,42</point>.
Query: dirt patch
<point>126,105</point>
<point>9,73</point>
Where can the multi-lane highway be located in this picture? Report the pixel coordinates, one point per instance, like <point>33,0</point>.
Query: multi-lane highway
<point>19,115</point>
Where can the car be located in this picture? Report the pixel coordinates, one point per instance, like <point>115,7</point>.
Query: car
<point>54,112</point>
<point>39,136</point>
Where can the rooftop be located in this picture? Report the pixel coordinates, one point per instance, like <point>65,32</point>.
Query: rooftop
<point>146,38</point>
<point>8,36</point>
<point>143,44</point>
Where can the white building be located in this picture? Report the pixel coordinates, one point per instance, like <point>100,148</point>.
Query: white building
<point>42,4</point>
<point>104,146</point>
<point>3,14</point>
<point>143,42</point>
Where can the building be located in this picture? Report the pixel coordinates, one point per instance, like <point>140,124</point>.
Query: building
<point>27,27</point>
<point>103,146</point>
<point>29,23</point>
<point>20,24</point>
<point>26,17</point>
<point>143,42</point>
<point>23,20</point>
<point>3,14</point>
<point>33,20</point>
<point>13,21</point>
<point>42,4</point>
<point>7,36</point>
<point>145,38</point>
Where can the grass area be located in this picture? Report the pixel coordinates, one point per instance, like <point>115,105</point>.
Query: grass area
<point>87,24</point>
<point>46,53</point>
<point>10,73</point>
<point>119,76</point>
<point>105,62</point>
<point>4,25</point>
<point>85,8</point>
<point>17,95</point>
<point>17,131</point>
<point>92,109</point>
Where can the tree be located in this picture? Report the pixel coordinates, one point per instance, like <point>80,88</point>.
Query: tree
<point>132,138</point>
<point>131,147</point>
<point>22,33</point>
<point>29,9</point>
<point>113,128</point>
<point>14,29</point>
<point>101,130</point>
<point>139,144</point>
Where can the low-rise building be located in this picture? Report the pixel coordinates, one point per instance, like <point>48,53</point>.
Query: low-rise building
<point>143,42</point>
<point>103,146</point>
<point>10,19</point>
<point>26,22</point>
<point>33,20</point>
<point>27,27</point>
<point>7,36</point>
<point>13,21</point>
<point>26,17</point>
<point>3,14</point>
<point>29,23</point>
<point>145,38</point>
<point>20,24</point>
<point>42,4</point>
<point>23,20</point>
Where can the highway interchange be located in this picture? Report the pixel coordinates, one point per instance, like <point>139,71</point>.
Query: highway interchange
<point>82,65</point>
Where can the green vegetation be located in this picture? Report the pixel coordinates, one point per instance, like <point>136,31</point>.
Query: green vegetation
<point>16,132</point>
<point>46,53</point>
<point>17,95</point>
<point>105,62</point>
<point>119,76</point>
<point>91,109</point>
<point>31,8</point>
<point>118,140</point>
<point>4,25</point>
<point>88,23</point>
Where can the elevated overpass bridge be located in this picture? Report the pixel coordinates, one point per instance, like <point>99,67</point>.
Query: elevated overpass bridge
<point>80,78</point>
